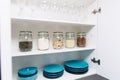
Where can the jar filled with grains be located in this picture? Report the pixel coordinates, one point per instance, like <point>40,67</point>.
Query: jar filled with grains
<point>43,40</point>
<point>58,40</point>
<point>70,40</point>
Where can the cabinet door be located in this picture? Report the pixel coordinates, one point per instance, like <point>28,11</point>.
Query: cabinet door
<point>93,34</point>
<point>5,40</point>
<point>109,39</point>
<point>0,49</point>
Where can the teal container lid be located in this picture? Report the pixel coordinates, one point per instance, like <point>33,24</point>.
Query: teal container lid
<point>53,68</point>
<point>76,64</point>
<point>27,71</point>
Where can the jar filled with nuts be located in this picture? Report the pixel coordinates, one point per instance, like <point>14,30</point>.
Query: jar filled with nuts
<point>58,40</point>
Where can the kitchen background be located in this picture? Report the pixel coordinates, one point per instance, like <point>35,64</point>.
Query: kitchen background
<point>108,43</point>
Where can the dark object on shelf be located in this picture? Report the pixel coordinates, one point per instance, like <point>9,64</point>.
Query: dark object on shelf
<point>96,11</point>
<point>76,66</point>
<point>25,46</point>
<point>93,77</point>
<point>96,61</point>
<point>53,71</point>
<point>27,73</point>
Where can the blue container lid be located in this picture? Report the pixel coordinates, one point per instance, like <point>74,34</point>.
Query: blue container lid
<point>52,74</point>
<point>76,64</point>
<point>76,68</point>
<point>27,71</point>
<point>77,72</point>
<point>53,68</point>
<point>55,76</point>
<point>57,73</point>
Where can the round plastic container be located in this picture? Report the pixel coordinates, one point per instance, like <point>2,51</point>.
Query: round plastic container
<point>27,73</point>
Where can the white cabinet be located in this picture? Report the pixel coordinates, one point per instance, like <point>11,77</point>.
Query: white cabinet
<point>109,51</point>
<point>51,16</point>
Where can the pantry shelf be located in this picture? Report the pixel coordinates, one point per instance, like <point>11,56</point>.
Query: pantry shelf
<point>35,21</point>
<point>50,51</point>
<point>66,75</point>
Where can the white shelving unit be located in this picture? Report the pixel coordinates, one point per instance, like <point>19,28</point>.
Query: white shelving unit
<point>70,26</point>
<point>30,20</point>
<point>75,16</point>
<point>50,51</point>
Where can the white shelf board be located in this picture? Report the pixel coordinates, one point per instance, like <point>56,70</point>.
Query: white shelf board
<point>66,75</point>
<point>50,51</point>
<point>19,20</point>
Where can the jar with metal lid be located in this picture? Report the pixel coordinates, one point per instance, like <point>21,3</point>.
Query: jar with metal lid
<point>58,40</point>
<point>25,41</point>
<point>70,40</point>
<point>43,40</point>
<point>81,39</point>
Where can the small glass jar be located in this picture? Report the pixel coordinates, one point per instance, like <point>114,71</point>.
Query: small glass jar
<point>58,40</point>
<point>25,41</point>
<point>81,39</point>
<point>70,40</point>
<point>43,40</point>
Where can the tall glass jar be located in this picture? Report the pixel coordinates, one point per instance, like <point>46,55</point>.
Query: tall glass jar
<point>25,41</point>
<point>58,40</point>
<point>81,39</point>
<point>43,40</point>
<point>70,40</point>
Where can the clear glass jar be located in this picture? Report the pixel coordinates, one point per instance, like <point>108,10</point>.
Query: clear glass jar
<point>70,40</point>
<point>81,39</point>
<point>58,40</point>
<point>43,40</point>
<point>25,41</point>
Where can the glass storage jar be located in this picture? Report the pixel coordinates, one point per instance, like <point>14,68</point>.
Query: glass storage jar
<point>25,41</point>
<point>81,39</point>
<point>43,40</point>
<point>70,40</point>
<point>58,40</point>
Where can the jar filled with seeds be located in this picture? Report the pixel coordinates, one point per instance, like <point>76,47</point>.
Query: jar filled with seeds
<point>25,41</point>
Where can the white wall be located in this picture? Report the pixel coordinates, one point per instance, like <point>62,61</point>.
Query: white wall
<point>0,44</point>
<point>109,39</point>
<point>0,49</point>
<point>5,39</point>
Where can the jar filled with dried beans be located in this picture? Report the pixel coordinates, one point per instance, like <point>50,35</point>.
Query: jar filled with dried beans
<point>81,39</point>
<point>58,40</point>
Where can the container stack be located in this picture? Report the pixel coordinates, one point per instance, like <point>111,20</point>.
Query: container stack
<point>28,73</point>
<point>76,66</point>
<point>53,71</point>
